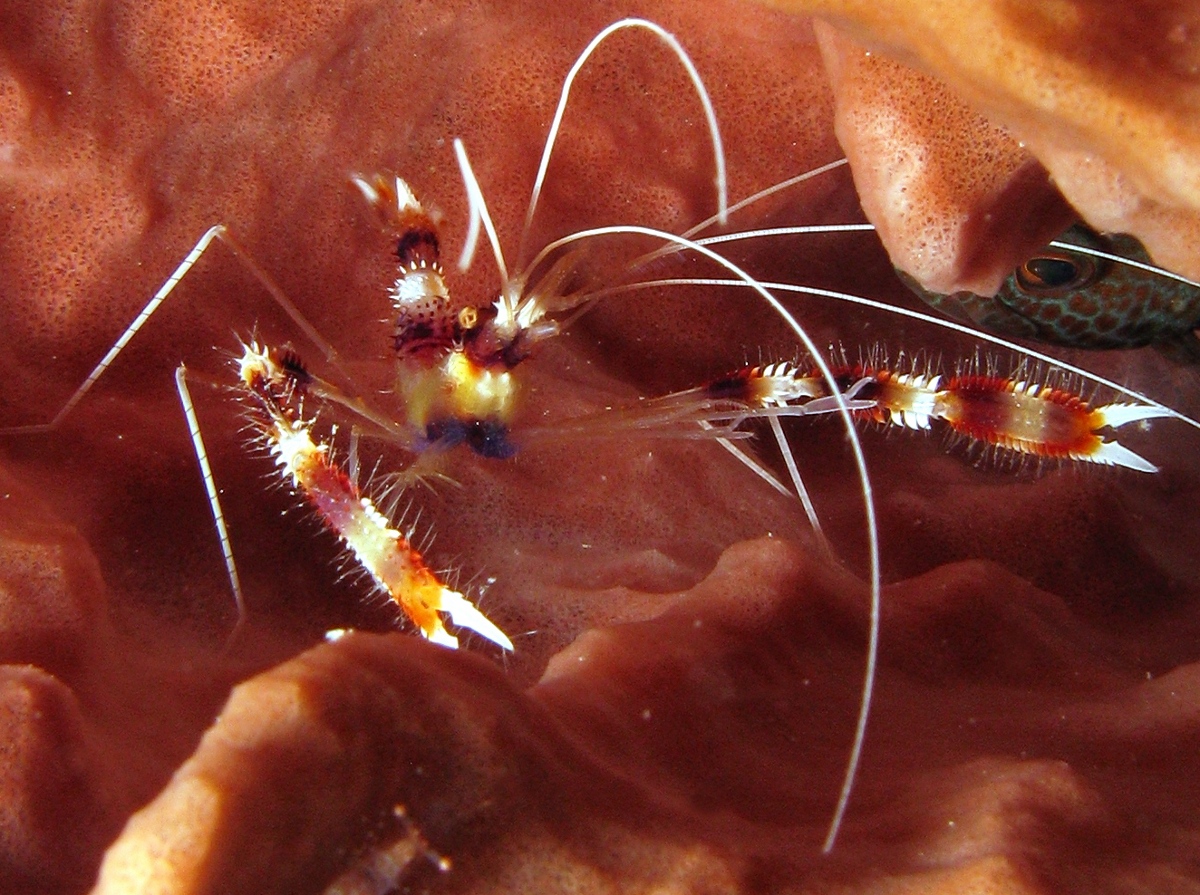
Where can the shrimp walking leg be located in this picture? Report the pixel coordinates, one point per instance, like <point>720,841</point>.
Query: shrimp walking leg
<point>216,232</point>
<point>214,500</point>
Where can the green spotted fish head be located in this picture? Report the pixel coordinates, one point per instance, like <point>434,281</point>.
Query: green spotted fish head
<point>1081,291</point>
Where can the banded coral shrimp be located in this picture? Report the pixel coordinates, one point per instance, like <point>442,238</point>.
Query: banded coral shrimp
<point>718,689</point>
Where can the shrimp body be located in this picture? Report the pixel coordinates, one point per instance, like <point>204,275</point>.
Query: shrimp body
<point>1069,295</point>
<point>454,365</point>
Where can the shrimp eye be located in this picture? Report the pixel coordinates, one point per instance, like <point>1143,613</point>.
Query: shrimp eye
<point>1055,272</point>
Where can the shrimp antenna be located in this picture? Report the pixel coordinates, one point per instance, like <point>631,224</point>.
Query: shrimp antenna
<point>477,211</point>
<point>742,278</point>
<point>746,234</point>
<point>798,230</point>
<point>710,114</point>
<point>765,193</point>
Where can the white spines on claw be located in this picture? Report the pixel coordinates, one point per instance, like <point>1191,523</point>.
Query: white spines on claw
<point>381,549</point>
<point>1019,413</point>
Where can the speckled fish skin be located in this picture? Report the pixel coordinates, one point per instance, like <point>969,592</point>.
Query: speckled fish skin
<point>1102,305</point>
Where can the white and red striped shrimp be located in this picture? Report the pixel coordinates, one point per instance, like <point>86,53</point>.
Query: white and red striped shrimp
<point>999,407</point>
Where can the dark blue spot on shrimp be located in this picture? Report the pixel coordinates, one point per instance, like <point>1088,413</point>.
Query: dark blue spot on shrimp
<point>1085,290</point>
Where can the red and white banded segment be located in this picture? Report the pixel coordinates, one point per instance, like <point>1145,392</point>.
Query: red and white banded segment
<point>1038,419</point>
<point>426,322</point>
<point>1019,415</point>
<point>395,565</point>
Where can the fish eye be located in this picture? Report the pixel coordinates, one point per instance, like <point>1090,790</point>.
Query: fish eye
<point>1055,272</point>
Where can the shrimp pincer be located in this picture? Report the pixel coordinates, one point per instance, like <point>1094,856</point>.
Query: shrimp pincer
<point>1014,413</point>
<point>382,550</point>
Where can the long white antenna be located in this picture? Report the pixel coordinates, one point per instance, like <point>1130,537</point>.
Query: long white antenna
<point>860,462</point>
<point>710,115</point>
<point>477,211</point>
